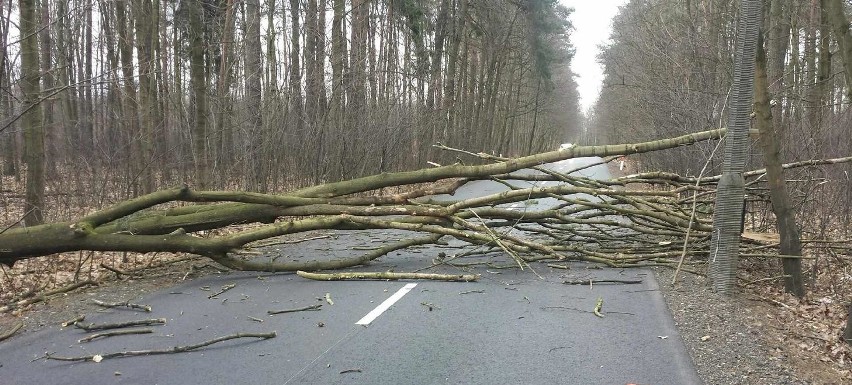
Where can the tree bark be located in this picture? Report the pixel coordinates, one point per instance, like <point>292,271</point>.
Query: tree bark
<point>198,86</point>
<point>840,27</point>
<point>319,207</point>
<point>781,204</point>
<point>32,118</point>
<point>255,169</point>
<point>7,138</point>
<point>144,15</point>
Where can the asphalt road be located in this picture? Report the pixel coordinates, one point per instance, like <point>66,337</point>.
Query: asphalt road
<point>511,327</point>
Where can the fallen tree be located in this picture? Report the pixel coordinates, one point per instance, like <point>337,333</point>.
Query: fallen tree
<point>590,223</point>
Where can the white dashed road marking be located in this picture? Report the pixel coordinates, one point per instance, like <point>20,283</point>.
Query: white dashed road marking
<point>375,313</point>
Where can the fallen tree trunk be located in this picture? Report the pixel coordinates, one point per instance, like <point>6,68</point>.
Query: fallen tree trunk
<point>134,226</point>
<point>598,221</point>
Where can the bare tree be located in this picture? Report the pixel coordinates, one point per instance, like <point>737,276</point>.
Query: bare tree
<point>32,116</point>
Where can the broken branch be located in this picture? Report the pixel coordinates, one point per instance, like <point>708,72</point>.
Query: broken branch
<point>175,349</point>
<point>306,308</point>
<point>11,331</point>
<point>114,333</point>
<point>126,304</point>
<point>117,325</point>
<point>387,275</point>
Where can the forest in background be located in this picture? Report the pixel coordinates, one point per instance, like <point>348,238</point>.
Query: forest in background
<point>668,71</point>
<point>127,97</point>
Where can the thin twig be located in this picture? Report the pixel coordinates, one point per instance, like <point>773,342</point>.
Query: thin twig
<point>692,213</point>
<point>74,320</point>
<point>597,281</point>
<point>114,333</point>
<point>11,331</point>
<point>306,308</point>
<point>126,304</point>
<point>175,349</point>
<point>117,325</point>
<point>224,289</point>
<point>21,219</point>
<point>45,295</point>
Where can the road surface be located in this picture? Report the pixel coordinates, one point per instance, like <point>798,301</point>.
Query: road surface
<point>511,327</point>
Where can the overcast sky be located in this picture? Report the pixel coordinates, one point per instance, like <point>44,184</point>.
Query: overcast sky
<point>592,27</point>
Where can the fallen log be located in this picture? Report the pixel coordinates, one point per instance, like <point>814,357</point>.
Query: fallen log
<point>596,221</point>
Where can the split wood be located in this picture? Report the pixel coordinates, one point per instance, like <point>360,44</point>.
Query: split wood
<point>114,333</point>
<point>126,304</point>
<point>118,325</point>
<point>306,308</point>
<point>175,349</point>
<point>387,276</point>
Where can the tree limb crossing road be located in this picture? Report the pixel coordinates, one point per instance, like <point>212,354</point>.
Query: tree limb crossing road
<point>511,327</point>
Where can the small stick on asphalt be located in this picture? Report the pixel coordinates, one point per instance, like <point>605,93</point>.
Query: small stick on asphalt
<point>255,319</point>
<point>126,304</point>
<point>472,292</point>
<point>224,289</point>
<point>146,322</point>
<point>11,331</point>
<point>591,281</point>
<point>74,320</point>
<point>174,349</point>
<point>306,308</point>
<point>114,333</point>
<point>350,371</point>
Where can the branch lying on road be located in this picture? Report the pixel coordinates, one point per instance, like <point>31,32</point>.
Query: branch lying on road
<point>387,276</point>
<point>306,308</point>
<point>118,325</point>
<point>126,304</point>
<point>12,331</point>
<point>605,222</point>
<point>114,333</point>
<point>175,349</point>
<point>593,281</point>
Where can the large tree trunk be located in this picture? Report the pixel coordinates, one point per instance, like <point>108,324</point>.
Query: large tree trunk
<point>781,204</point>
<point>32,118</point>
<point>840,26</point>
<point>144,15</point>
<point>130,118</point>
<point>51,137</point>
<point>255,170</point>
<point>124,228</point>
<point>7,137</point>
<point>198,86</point>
